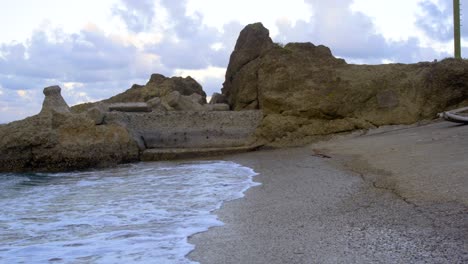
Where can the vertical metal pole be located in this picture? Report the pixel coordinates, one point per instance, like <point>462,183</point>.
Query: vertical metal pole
<point>456,28</point>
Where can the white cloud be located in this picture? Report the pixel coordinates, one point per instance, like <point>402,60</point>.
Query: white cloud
<point>217,46</point>
<point>22,93</point>
<point>22,16</point>
<point>395,19</point>
<point>72,85</point>
<point>216,13</point>
<point>436,20</point>
<point>202,74</point>
<point>138,15</point>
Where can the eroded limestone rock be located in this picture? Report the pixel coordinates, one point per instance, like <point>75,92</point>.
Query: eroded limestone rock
<point>180,102</point>
<point>172,99</point>
<point>157,105</point>
<point>157,86</point>
<point>197,98</point>
<point>96,114</point>
<point>304,91</point>
<point>57,140</point>
<point>54,101</point>
<point>218,98</point>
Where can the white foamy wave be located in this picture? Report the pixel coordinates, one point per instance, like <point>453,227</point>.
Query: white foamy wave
<point>136,213</point>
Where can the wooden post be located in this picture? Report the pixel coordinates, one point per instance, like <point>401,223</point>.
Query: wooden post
<point>456,28</point>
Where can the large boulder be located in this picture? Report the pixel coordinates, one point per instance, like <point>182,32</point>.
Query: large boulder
<point>157,105</point>
<point>96,114</point>
<point>59,140</point>
<point>218,98</point>
<point>180,102</point>
<point>304,91</point>
<point>253,42</point>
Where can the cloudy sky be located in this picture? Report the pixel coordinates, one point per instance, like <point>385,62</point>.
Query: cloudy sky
<point>95,49</point>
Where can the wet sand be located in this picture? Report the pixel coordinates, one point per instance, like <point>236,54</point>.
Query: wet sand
<point>395,195</point>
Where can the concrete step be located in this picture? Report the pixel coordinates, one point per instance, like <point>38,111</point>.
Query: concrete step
<point>158,154</point>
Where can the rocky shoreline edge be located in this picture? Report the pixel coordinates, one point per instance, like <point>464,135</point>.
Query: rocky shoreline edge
<point>273,95</point>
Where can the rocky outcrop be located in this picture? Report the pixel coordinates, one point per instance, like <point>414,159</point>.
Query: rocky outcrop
<point>109,134</point>
<point>158,86</point>
<point>54,101</point>
<point>57,140</point>
<point>253,42</point>
<point>304,91</point>
<point>160,93</point>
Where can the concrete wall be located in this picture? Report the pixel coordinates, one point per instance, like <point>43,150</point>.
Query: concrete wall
<point>181,129</point>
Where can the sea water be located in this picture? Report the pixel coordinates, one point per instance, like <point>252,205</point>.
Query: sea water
<point>138,213</point>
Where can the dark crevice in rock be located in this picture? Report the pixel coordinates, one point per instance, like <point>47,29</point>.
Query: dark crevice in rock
<point>243,65</point>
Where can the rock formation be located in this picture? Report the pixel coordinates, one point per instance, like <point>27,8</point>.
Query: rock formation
<point>178,102</point>
<point>253,42</point>
<point>106,134</point>
<point>56,140</point>
<point>305,91</point>
<point>161,94</point>
<point>159,86</point>
<point>54,101</point>
<point>302,90</point>
<point>218,98</point>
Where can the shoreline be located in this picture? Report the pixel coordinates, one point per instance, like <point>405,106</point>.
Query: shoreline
<point>314,209</point>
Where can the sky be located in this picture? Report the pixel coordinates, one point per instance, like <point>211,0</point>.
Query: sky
<point>96,49</point>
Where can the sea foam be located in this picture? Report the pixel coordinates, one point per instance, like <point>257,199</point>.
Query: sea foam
<point>139,213</point>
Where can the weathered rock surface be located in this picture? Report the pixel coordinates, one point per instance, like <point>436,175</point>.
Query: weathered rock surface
<point>96,114</point>
<point>57,140</point>
<point>157,86</point>
<point>253,42</point>
<point>216,107</point>
<point>157,105</point>
<point>54,101</point>
<point>172,99</point>
<point>179,102</point>
<point>305,91</point>
<point>130,107</point>
<point>218,98</point>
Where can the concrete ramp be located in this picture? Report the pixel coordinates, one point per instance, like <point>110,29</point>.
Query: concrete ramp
<point>184,134</point>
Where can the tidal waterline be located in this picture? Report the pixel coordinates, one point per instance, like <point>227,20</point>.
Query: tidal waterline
<point>141,212</point>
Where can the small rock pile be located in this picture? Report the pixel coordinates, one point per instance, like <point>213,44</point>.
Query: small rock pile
<point>160,94</point>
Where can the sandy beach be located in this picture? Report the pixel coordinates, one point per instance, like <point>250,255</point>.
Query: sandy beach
<point>392,195</point>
